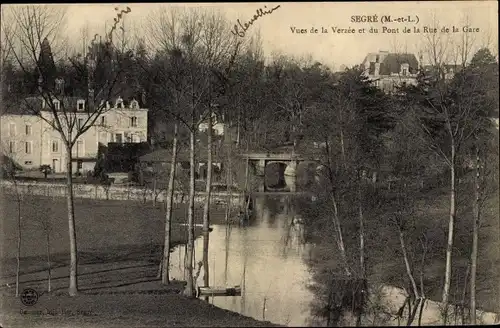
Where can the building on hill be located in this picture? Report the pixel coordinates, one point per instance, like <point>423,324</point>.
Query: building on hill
<point>218,125</point>
<point>446,71</point>
<point>29,140</point>
<point>388,70</point>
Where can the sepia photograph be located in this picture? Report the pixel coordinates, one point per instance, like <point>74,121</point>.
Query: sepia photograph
<point>251,164</point>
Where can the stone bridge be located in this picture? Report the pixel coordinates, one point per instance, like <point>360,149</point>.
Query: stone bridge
<point>287,159</point>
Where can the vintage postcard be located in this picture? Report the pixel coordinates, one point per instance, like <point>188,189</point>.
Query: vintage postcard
<point>249,164</point>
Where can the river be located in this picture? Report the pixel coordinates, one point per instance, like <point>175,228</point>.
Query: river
<point>267,258</point>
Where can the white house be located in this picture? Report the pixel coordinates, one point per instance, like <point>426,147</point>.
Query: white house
<point>217,125</point>
<point>389,70</point>
<point>31,141</point>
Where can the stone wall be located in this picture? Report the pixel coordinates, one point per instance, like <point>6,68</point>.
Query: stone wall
<point>132,193</point>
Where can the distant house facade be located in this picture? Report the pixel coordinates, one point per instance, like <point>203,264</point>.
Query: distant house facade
<point>218,125</point>
<point>446,72</point>
<point>30,141</point>
<point>388,70</point>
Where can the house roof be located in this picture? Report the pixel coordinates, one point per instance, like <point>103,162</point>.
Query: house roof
<point>165,155</point>
<point>390,63</point>
<point>33,104</point>
<point>121,157</point>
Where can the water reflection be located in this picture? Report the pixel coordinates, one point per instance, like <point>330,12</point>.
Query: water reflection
<point>266,258</point>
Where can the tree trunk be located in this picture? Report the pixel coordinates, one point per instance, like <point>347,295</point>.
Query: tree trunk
<point>238,129</point>
<point>247,164</point>
<point>229,182</point>
<point>169,201</point>
<point>49,278</point>
<point>336,219</point>
<point>18,255</point>
<point>407,264</point>
<point>206,206</point>
<point>73,271</point>
<point>154,191</point>
<point>189,290</point>
<point>342,147</point>
<point>362,242</point>
<point>475,234</point>
<point>340,240</point>
<point>451,223</point>
<point>361,237</point>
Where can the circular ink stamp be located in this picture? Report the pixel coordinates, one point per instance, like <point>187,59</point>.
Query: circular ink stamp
<point>29,297</point>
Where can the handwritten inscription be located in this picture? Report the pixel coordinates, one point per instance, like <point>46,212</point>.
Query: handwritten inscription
<point>245,26</point>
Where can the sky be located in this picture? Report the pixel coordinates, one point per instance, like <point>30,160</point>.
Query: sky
<point>332,49</point>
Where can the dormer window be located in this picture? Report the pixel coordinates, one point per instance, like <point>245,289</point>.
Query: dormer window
<point>405,69</point>
<point>119,103</point>
<point>134,104</point>
<point>57,104</point>
<point>80,105</point>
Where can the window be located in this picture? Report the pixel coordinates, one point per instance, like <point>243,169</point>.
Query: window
<point>103,120</point>
<point>28,129</point>
<point>119,103</point>
<point>12,129</point>
<point>118,138</point>
<point>404,69</point>
<point>80,123</point>
<point>28,163</point>
<point>133,121</point>
<point>79,165</point>
<point>27,147</point>
<point>12,147</point>
<point>55,146</point>
<point>79,148</point>
<point>377,58</point>
<point>57,104</point>
<point>134,104</point>
<point>80,105</point>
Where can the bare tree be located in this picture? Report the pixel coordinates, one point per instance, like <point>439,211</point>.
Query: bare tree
<point>9,173</point>
<point>199,42</point>
<point>445,120</point>
<point>38,29</point>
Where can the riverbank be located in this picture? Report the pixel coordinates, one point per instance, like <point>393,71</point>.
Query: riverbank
<point>138,303</point>
<point>109,311</point>
<point>119,250</point>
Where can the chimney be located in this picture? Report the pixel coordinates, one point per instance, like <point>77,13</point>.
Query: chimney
<point>40,81</point>
<point>59,87</point>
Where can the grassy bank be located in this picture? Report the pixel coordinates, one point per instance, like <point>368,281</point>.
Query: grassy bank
<point>116,227</point>
<point>119,247</point>
<point>115,310</point>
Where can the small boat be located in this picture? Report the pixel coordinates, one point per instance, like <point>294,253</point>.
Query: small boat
<point>196,225</point>
<point>219,291</point>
